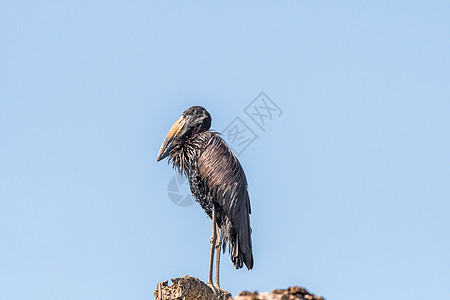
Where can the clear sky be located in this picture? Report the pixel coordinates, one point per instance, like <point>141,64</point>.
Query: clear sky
<point>349,183</point>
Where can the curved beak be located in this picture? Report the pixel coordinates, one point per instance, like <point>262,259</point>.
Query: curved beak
<point>168,144</point>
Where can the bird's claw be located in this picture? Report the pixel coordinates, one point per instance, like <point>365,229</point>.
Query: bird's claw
<point>216,289</point>
<point>211,286</point>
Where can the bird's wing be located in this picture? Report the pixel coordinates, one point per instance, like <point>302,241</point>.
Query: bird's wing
<point>225,179</point>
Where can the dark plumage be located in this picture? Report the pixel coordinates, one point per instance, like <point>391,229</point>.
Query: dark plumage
<point>216,179</point>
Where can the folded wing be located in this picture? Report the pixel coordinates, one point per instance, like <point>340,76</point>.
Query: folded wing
<point>224,177</point>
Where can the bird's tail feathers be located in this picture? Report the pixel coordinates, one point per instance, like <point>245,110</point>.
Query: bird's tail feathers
<point>240,247</point>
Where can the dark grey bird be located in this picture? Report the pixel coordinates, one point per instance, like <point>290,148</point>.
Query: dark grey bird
<point>217,181</point>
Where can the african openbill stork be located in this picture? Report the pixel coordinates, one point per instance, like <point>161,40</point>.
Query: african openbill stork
<point>217,182</point>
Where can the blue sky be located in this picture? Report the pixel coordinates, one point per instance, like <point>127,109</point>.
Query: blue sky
<point>349,186</point>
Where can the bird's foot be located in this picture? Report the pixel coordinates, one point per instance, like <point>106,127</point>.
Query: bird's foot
<point>211,286</point>
<point>216,288</point>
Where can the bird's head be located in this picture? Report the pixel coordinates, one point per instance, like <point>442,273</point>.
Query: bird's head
<point>194,120</point>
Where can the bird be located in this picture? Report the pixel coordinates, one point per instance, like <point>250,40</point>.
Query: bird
<point>217,182</point>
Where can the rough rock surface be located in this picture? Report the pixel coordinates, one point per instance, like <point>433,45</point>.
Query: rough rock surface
<point>190,288</point>
<point>291,293</point>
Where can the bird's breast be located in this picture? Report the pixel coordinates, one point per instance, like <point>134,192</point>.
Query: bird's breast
<point>199,190</point>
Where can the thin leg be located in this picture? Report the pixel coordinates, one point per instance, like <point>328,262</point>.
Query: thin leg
<point>218,246</point>
<point>212,240</point>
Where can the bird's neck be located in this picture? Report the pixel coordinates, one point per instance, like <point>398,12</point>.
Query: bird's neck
<point>185,154</point>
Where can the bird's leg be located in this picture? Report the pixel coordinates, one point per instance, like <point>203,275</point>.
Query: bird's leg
<point>213,242</point>
<point>218,246</point>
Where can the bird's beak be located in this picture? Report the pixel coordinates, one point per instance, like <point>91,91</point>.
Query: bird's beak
<point>168,144</point>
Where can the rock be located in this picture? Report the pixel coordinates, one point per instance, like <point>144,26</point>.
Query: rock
<point>191,288</point>
<point>291,293</point>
